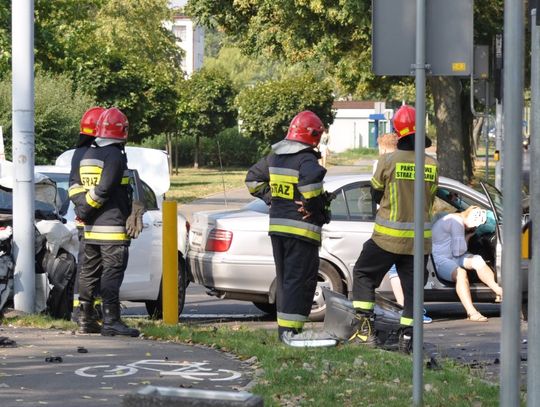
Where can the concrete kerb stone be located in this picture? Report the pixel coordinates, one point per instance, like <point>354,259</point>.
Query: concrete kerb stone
<point>152,396</point>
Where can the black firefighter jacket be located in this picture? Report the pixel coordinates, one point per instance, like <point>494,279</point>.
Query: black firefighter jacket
<point>291,174</point>
<point>106,203</point>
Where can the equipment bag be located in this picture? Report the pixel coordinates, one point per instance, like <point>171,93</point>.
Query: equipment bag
<point>61,271</point>
<point>341,322</point>
<point>6,279</point>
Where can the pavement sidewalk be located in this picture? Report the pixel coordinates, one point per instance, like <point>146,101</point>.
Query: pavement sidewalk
<point>54,367</point>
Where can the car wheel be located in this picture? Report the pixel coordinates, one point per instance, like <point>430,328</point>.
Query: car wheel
<point>329,278</point>
<point>266,307</point>
<point>155,307</point>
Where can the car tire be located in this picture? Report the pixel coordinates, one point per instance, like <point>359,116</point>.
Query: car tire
<point>266,307</point>
<point>155,307</point>
<point>328,277</point>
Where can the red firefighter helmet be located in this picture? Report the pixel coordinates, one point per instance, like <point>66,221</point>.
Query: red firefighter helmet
<point>112,124</point>
<point>307,128</point>
<point>405,121</point>
<point>89,120</point>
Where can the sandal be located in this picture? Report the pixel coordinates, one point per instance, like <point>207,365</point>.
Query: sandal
<point>476,317</point>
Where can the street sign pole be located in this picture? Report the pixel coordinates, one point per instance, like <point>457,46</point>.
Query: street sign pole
<point>23,153</point>
<point>512,211</point>
<point>419,192</point>
<point>533,348</point>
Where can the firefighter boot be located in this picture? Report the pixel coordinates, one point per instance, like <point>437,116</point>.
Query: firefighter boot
<point>113,325</point>
<point>88,319</point>
<point>365,334</point>
<point>283,330</point>
<point>406,340</point>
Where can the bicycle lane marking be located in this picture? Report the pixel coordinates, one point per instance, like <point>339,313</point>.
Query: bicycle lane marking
<point>115,371</point>
<point>187,370</point>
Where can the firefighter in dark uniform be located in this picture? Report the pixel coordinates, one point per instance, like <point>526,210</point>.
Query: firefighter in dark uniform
<point>392,240</point>
<point>87,134</point>
<point>290,180</point>
<point>105,208</point>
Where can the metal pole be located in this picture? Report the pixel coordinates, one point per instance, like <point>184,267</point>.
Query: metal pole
<point>22,23</point>
<point>485,128</point>
<point>511,258</point>
<point>533,346</point>
<point>498,143</point>
<point>419,193</point>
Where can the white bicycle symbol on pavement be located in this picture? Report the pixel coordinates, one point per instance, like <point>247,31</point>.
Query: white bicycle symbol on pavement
<point>186,370</point>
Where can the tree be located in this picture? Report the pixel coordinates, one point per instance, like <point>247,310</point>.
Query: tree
<point>118,51</point>
<point>266,109</point>
<point>337,35</point>
<point>58,110</point>
<point>206,106</point>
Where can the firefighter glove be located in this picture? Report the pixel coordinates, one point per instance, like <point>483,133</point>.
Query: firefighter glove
<point>134,223</point>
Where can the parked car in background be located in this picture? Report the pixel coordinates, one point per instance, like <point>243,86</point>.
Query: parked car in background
<point>142,280</point>
<point>230,251</point>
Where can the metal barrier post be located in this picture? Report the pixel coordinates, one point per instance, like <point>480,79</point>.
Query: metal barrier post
<point>170,264</point>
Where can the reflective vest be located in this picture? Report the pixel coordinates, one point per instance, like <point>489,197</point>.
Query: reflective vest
<point>282,179</point>
<point>75,185</point>
<point>394,223</point>
<point>106,203</point>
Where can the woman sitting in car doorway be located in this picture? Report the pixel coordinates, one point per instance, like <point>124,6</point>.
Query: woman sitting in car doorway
<point>452,260</point>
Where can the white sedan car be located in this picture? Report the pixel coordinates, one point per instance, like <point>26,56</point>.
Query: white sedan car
<point>142,280</point>
<point>230,251</point>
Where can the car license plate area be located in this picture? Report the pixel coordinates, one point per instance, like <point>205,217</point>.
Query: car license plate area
<point>195,238</point>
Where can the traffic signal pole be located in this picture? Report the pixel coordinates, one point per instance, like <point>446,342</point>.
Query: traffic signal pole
<point>419,193</point>
<point>512,211</point>
<point>22,23</point>
<point>533,346</point>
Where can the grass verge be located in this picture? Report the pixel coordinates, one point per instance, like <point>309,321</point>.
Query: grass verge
<point>191,183</point>
<point>341,376</point>
<point>349,157</point>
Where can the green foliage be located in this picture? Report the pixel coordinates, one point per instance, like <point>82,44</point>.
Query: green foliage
<point>266,109</point>
<point>58,110</point>
<point>117,51</point>
<point>206,104</point>
<point>234,149</point>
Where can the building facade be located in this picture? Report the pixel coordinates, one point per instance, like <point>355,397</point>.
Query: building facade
<point>357,123</point>
<point>190,37</point>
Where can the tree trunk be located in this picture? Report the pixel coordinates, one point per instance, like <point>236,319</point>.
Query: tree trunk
<point>169,152</point>
<point>477,132</point>
<point>446,92</point>
<point>196,158</point>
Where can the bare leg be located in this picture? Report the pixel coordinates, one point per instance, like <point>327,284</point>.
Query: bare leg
<point>485,274</point>
<point>397,289</point>
<point>464,292</point>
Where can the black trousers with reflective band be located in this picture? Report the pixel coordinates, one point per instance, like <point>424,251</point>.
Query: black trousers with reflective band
<point>370,268</point>
<point>103,271</point>
<point>297,266</point>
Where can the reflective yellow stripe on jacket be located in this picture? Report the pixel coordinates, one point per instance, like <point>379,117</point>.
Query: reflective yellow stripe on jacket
<point>282,181</point>
<point>105,233</point>
<point>295,227</point>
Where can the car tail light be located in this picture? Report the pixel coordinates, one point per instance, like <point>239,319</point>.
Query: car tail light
<point>219,240</point>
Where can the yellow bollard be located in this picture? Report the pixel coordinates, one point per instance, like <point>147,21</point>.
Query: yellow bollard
<point>169,287</point>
